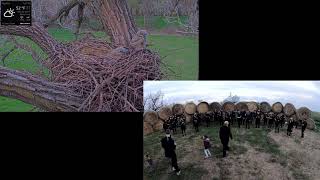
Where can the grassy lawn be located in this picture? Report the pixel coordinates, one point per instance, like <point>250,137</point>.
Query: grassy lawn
<point>181,56</point>
<point>192,143</point>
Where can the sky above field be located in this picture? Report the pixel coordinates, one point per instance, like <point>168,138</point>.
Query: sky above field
<point>299,93</point>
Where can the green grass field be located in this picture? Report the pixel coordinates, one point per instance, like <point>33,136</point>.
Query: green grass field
<point>181,56</point>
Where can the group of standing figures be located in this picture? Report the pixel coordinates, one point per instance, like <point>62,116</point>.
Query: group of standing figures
<point>226,120</point>
<point>236,118</point>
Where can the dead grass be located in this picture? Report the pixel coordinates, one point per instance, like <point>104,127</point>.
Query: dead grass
<point>254,154</point>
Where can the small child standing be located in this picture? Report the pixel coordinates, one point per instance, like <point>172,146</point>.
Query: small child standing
<point>207,145</point>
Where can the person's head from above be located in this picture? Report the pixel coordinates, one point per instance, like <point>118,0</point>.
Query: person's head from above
<point>226,123</point>
<point>168,133</point>
<point>205,137</point>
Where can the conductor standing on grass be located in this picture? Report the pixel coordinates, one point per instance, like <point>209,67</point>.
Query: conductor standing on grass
<point>225,134</point>
<point>169,147</point>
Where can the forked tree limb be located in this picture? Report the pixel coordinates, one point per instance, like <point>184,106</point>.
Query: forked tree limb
<point>36,33</point>
<point>36,91</point>
<point>63,12</point>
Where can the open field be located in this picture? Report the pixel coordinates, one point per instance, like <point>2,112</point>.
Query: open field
<point>255,154</point>
<point>180,52</point>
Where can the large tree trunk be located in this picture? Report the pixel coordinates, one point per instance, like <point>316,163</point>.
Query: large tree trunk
<point>116,19</point>
<point>36,33</point>
<point>36,91</point>
<point>100,78</point>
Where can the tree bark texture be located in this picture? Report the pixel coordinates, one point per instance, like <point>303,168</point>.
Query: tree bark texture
<point>116,19</point>
<point>36,91</point>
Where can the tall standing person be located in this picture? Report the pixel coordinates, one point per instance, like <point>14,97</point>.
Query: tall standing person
<point>225,134</point>
<point>169,147</point>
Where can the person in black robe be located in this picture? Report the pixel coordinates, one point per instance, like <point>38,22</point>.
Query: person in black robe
<point>243,117</point>
<point>277,124</point>
<point>183,126</point>
<point>290,127</point>
<point>169,146</point>
<point>238,115</point>
<point>195,121</point>
<point>265,119</point>
<point>303,127</point>
<point>270,120</point>
<point>166,125</point>
<point>207,118</point>
<point>225,134</point>
<point>258,119</point>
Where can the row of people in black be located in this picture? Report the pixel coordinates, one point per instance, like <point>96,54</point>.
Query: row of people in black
<point>237,118</point>
<point>225,134</point>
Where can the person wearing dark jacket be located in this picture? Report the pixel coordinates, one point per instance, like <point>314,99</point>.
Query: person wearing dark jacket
<point>282,120</point>
<point>195,121</point>
<point>207,118</point>
<point>248,118</point>
<point>303,127</point>
<point>238,118</point>
<point>183,125</point>
<point>258,119</point>
<point>207,145</point>
<point>169,147</point>
<point>290,126</point>
<point>166,125</point>
<point>277,124</point>
<point>225,134</point>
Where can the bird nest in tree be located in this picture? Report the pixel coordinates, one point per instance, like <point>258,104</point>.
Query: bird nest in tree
<point>109,81</point>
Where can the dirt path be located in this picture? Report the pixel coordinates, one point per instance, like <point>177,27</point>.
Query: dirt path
<point>302,154</point>
<point>296,158</point>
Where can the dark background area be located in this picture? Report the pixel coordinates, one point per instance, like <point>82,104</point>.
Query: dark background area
<point>257,41</point>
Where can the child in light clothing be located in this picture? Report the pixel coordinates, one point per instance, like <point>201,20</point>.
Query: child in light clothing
<point>207,145</point>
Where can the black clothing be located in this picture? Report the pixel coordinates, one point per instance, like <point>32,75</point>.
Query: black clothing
<point>183,128</point>
<point>174,162</point>
<point>225,134</point>
<point>277,124</point>
<point>195,121</point>
<point>303,128</point>
<point>258,119</point>
<point>169,146</point>
<point>290,126</point>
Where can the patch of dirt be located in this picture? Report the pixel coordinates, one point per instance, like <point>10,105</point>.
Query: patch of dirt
<point>299,157</point>
<point>302,153</point>
<point>249,165</point>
